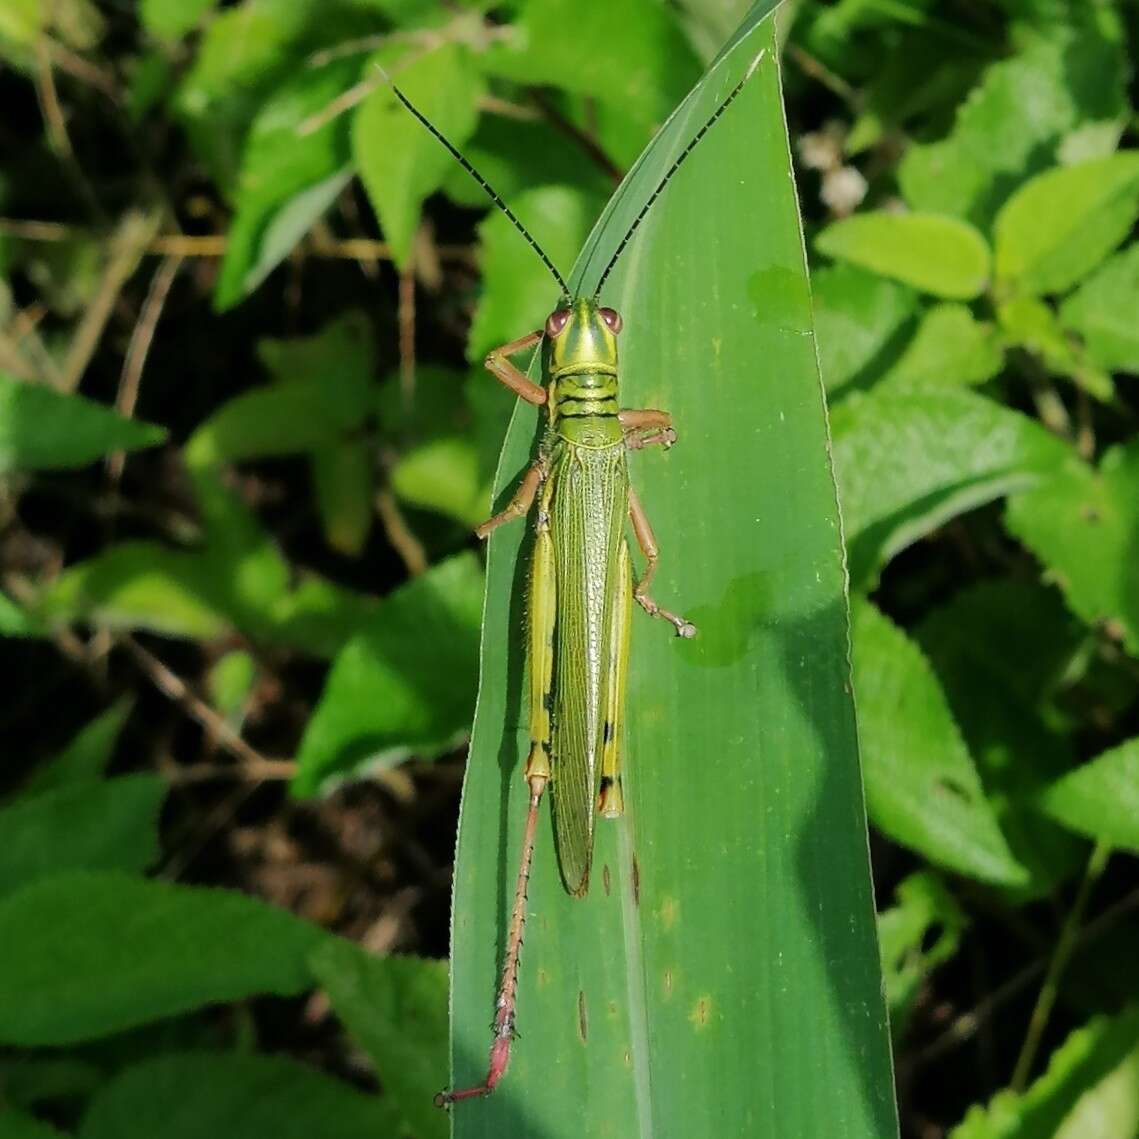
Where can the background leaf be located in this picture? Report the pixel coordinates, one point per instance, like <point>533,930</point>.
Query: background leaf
<point>148,950</point>
<point>1101,798</point>
<point>935,254</point>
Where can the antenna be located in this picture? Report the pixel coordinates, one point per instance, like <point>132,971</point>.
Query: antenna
<point>490,191</point>
<point>727,101</point>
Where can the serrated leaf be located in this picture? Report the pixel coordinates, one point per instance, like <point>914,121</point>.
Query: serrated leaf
<point>86,756</point>
<point>1100,799</point>
<point>1015,121</point>
<point>396,1008</point>
<point>1105,312</point>
<point>148,950</point>
<point>17,1125</point>
<point>998,649</point>
<point>110,824</point>
<point>860,322</point>
<point>517,284</point>
<point>921,931</point>
<point>42,429</point>
<point>922,789</point>
<point>935,254</point>
<point>191,1095</point>
<point>290,176</point>
<point>137,585</point>
<point>1059,226</point>
<point>404,683</point>
<point>631,53</point>
<point>172,19</point>
<point>400,163</point>
<point>951,348</point>
<point>1088,1090</point>
<point>699,989</point>
<point>1029,323</point>
<point>907,463</point>
<point>1081,524</point>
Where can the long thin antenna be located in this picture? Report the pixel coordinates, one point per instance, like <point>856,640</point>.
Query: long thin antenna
<point>490,190</point>
<point>728,99</point>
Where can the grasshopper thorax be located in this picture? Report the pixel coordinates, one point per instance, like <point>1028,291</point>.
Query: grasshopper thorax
<point>581,337</point>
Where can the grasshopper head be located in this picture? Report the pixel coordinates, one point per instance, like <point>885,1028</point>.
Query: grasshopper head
<point>582,337</point>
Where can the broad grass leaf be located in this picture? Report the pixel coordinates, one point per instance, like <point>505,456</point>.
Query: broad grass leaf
<point>671,1000</point>
<point>935,254</point>
<point>922,788</point>
<point>148,950</point>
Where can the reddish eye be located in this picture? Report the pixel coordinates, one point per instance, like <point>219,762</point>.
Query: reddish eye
<point>611,318</point>
<point>556,321</point>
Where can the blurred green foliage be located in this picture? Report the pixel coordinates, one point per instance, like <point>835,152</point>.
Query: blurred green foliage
<point>970,186</point>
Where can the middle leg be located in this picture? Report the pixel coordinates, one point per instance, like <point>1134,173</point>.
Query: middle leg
<point>645,427</point>
<point>646,539</point>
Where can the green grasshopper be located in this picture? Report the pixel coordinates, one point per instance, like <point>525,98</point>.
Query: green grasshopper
<point>581,587</point>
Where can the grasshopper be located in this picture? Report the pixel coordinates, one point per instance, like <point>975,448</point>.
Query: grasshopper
<point>582,586</point>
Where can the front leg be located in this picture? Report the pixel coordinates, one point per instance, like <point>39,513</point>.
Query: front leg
<point>646,427</point>
<point>498,364</point>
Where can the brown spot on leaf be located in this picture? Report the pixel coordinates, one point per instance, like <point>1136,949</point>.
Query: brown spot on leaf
<point>582,1017</point>
<point>701,1013</point>
<point>605,878</point>
<point>636,881</point>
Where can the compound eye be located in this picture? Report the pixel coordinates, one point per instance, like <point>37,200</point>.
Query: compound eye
<point>556,321</point>
<point>612,318</point>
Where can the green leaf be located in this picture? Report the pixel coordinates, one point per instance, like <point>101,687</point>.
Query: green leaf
<point>404,683</point>
<point>1081,524</point>
<point>148,950</point>
<point>41,429</point>
<point>172,19</point>
<point>192,1095</point>
<point>86,757</point>
<point>138,585</point>
<point>950,349</point>
<point>290,176</point>
<point>998,649</point>
<point>922,789</point>
<point>516,298</point>
<point>1088,1090</point>
<point>16,621</point>
<point>1101,798</point>
<point>107,825</point>
<point>920,932</point>
<point>400,163</point>
<point>1058,227</point>
<point>860,320</point>
<point>230,681</point>
<point>343,477</point>
<point>909,462</point>
<point>17,1125</point>
<point>1029,323</point>
<point>1105,312</point>
<point>444,475</point>
<point>935,254</point>
<point>1023,115</point>
<point>396,1008</point>
<point>630,53</point>
<point>684,991</point>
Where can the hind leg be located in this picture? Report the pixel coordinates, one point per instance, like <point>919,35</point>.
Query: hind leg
<point>610,797</point>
